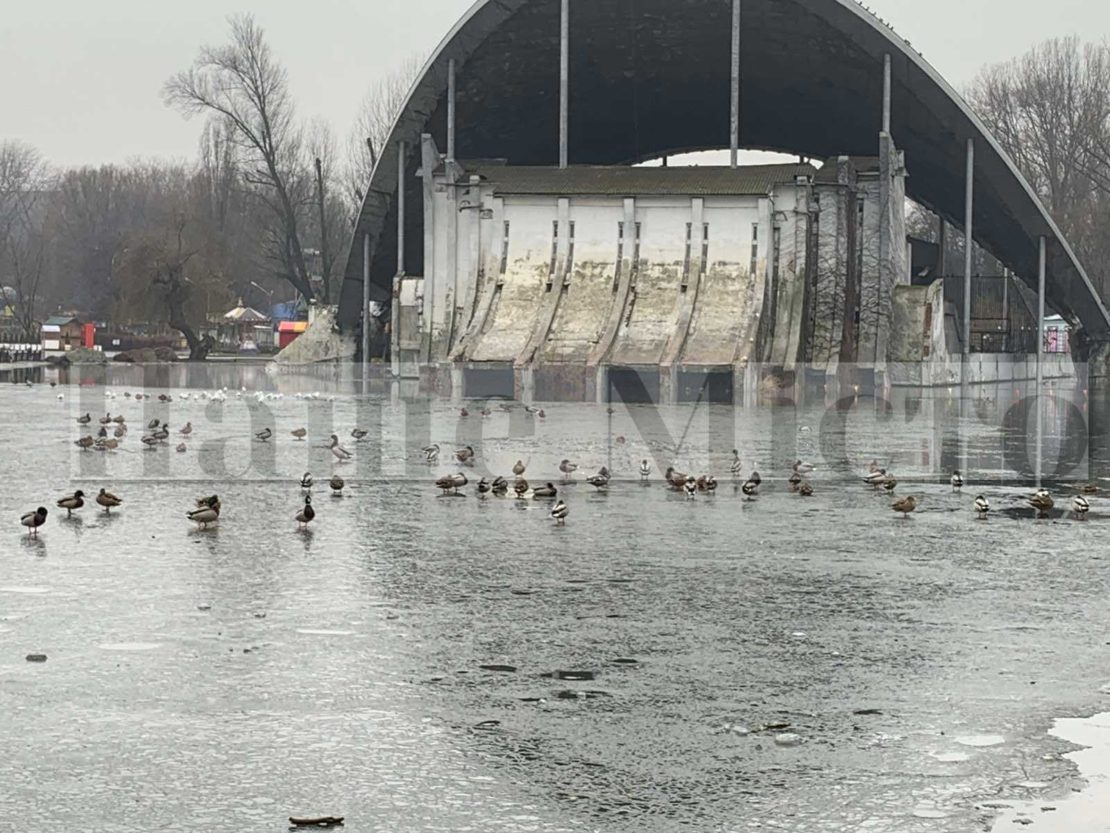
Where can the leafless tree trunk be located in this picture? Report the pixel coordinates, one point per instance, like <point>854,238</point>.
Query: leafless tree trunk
<point>24,232</point>
<point>244,87</point>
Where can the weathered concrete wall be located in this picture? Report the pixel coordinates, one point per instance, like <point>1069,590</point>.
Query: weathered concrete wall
<point>908,336</point>
<point>589,290</point>
<point>729,298</point>
<point>523,286</point>
<point>787,308</point>
<point>652,307</point>
<point>831,270</point>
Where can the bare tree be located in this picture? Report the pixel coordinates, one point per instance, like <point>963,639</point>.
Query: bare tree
<point>244,87</point>
<point>376,115</point>
<point>1050,109</point>
<point>25,184</point>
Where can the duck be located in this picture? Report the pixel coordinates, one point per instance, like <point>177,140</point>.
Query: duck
<point>805,490</point>
<point>546,491</point>
<point>358,434</point>
<point>710,484</point>
<point>750,488</point>
<point>451,483</point>
<point>600,480</point>
<point>182,448</point>
<point>33,520</point>
<point>1042,501</point>
<point>72,502</point>
<point>905,505</point>
<point>690,486</point>
<point>336,483</point>
<point>341,454</point>
<point>521,487</point>
<point>499,487</point>
<point>431,454</point>
<point>306,481</point>
<point>559,513</point>
<point>483,487</point>
<point>102,433</point>
<point>85,443</point>
<point>645,470</point>
<point>519,467</point>
<point>957,480</point>
<point>107,444</point>
<point>162,433</point>
<point>736,467</point>
<point>568,469</point>
<point>531,410</point>
<point>1080,506</point>
<point>107,418</point>
<point>463,412</point>
<point>84,420</point>
<point>299,434</point>
<point>541,414</point>
<point>803,468</point>
<point>150,442</point>
<point>982,507</point>
<point>154,423</point>
<point>795,481</point>
<point>108,500</point>
<point>118,419</point>
<point>890,483</point>
<point>264,435</point>
<point>875,477</point>
<point>675,479</point>
<point>206,514</point>
<point>120,431</point>
<point>305,516</point>
<point>465,456</point>
<point>186,430</point>
<point>1089,488</point>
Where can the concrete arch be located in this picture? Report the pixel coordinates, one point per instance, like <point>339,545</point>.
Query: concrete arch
<point>650,77</point>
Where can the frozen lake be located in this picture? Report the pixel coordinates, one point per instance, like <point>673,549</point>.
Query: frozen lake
<point>778,664</point>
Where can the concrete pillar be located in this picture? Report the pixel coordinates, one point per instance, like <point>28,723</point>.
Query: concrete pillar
<point>401,208</point>
<point>969,241</point>
<point>1042,269</point>
<point>451,110</point>
<point>886,94</point>
<point>942,258</point>
<point>734,143</point>
<point>365,312</point>
<point>564,84</point>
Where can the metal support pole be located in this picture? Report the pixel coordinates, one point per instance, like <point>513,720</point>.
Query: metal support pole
<point>451,110</point>
<point>1042,269</point>
<point>886,94</point>
<point>734,142</point>
<point>401,208</point>
<point>365,312</point>
<point>564,85</point>
<point>969,241</point>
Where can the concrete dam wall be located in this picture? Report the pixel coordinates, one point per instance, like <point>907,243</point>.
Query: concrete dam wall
<point>541,282</point>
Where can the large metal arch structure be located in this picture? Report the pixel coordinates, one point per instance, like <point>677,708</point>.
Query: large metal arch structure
<point>652,77</point>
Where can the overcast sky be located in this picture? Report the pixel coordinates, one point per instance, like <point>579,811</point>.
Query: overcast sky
<point>81,80</point>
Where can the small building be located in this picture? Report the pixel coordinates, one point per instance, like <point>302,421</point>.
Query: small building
<point>63,332</point>
<point>243,328</point>
<point>288,331</point>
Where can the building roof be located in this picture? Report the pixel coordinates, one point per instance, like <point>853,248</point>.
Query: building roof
<point>862,165</point>
<point>752,180</point>
<point>61,320</point>
<point>245,315</point>
<point>655,82</point>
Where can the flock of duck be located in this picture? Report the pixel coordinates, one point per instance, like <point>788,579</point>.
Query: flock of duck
<point>798,481</point>
<point>207,509</point>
